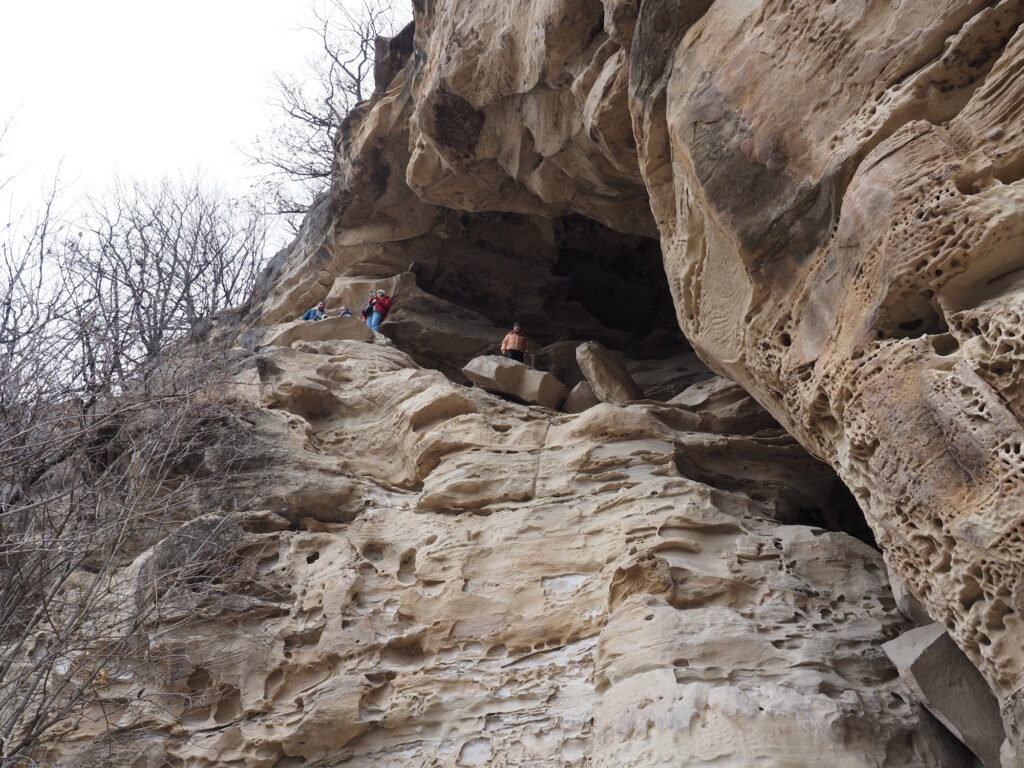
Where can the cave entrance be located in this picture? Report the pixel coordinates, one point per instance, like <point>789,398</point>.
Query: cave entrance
<point>567,280</point>
<point>570,280</point>
<point>620,281</point>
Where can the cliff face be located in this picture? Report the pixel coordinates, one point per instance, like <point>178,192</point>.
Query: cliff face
<point>825,198</point>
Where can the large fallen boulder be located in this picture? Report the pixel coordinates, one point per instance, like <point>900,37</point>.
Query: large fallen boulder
<point>608,377</point>
<point>950,687</point>
<point>509,377</point>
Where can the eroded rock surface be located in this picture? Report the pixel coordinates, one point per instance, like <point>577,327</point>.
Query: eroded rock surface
<point>435,576</point>
<point>500,584</point>
<point>837,191</point>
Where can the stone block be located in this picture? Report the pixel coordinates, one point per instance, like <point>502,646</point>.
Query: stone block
<point>580,398</point>
<point>509,377</point>
<point>609,379</point>
<point>286,334</point>
<point>951,688</point>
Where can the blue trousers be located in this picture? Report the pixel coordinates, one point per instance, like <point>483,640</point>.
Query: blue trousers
<point>374,322</point>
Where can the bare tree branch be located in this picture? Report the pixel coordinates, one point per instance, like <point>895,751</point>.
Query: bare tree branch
<point>297,153</point>
<point>102,433</point>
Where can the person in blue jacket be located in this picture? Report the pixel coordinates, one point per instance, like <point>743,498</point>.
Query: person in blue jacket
<point>315,313</point>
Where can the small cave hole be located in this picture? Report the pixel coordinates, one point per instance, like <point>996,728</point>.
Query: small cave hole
<point>407,567</point>
<point>198,681</point>
<point>912,317</point>
<point>944,344</point>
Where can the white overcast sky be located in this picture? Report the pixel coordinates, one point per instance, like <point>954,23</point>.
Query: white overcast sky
<point>142,87</point>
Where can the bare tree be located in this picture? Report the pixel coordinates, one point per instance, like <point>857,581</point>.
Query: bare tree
<point>298,151</point>
<point>102,442</point>
<point>73,616</point>
<point>151,263</point>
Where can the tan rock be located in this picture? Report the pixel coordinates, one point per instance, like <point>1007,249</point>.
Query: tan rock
<point>580,398</point>
<point>951,688</point>
<point>286,334</point>
<point>723,406</point>
<point>608,377</point>
<point>509,377</point>
<point>510,581</point>
<point>835,191</point>
<point>525,112</point>
<point>466,580</point>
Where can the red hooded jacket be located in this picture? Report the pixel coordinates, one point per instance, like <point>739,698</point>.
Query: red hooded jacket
<point>382,304</point>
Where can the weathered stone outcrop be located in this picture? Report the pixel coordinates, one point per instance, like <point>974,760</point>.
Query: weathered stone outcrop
<point>827,199</point>
<point>835,187</point>
<point>498,583</point>
<point>835,190</point>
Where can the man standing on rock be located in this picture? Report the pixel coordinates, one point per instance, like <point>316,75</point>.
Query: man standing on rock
<point>515,345</point>
<point>380,304</point>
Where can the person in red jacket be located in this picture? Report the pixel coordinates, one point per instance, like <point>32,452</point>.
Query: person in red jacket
<point>380,304</point>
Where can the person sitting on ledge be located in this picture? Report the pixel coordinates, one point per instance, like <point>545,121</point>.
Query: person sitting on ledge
<point>315,313</point>
<point>343,311</point>
<point>515,345</point>
<point>380,304</point>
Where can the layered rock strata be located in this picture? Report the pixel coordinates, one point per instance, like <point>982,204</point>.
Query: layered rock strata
<point>449,578</point>
<point>453,579</point>
<point>836,192</point>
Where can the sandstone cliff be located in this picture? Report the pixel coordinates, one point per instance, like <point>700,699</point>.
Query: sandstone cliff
<point>826,199</point>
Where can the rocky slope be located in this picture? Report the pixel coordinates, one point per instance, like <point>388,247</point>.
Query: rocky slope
<point>825,198</point>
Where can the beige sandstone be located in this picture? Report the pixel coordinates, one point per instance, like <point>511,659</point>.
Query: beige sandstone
<point>580,398</point>
<point>844,249</point>
<point>835,187</point>
<point>499,584</point>
<point>608,377</point>
<point>427,574</point>
<point>509,377</point>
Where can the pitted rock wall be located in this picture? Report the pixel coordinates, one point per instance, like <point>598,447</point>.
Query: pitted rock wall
<point>847,250</point>
<point>836,191</point>
<point>448,578</point>
<point>452,579</point>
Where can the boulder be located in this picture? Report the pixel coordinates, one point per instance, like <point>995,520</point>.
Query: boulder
<point>580,398</point>
<point>950,687</point>
<point>509,377</point>
<point>560,359</point>
<point>608,377</point>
